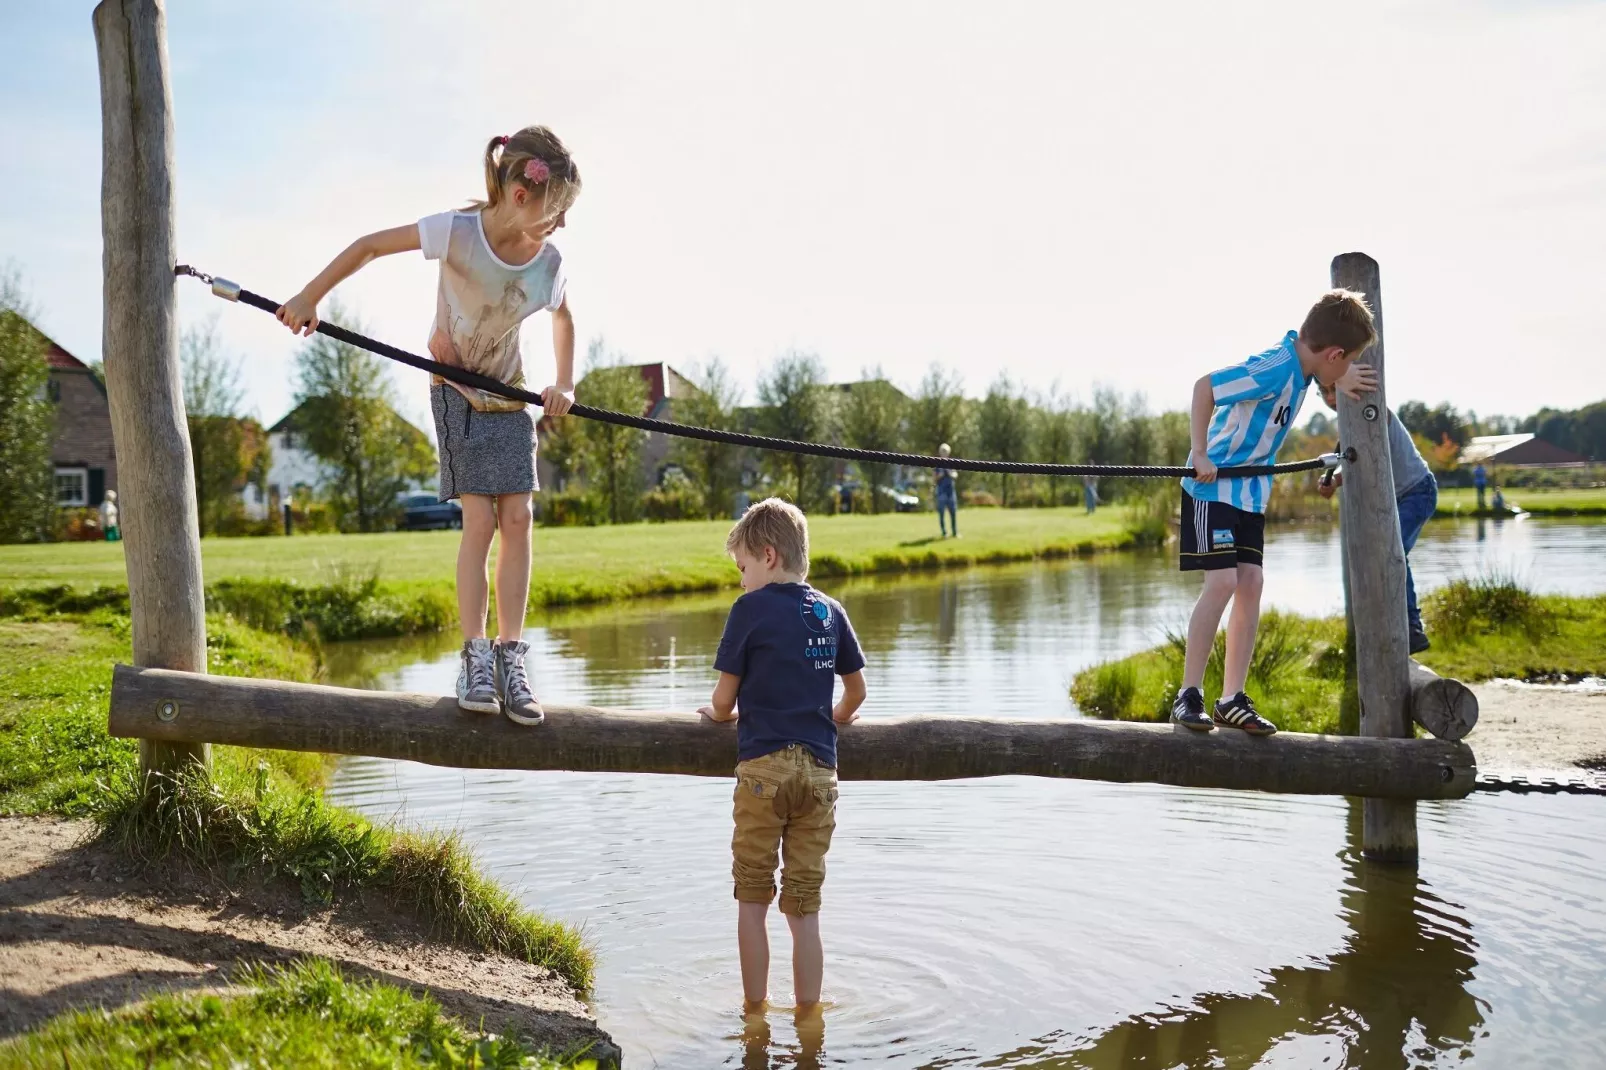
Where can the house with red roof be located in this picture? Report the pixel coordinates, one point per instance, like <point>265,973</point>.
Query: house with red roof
<point>85,460</point>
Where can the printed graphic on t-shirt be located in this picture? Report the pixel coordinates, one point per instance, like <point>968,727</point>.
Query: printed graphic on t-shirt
<point>821,623</point>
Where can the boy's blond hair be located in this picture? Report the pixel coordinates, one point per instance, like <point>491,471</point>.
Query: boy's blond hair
<point>1341,318</point>
<point>777,523</point>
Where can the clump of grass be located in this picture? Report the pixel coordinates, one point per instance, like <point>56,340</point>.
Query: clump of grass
<point>304,1014</point>
<point>350,606</point>
<point>266,827</point>
<point>34,603</point>
<point>1491,602</point>
<point>1109,689</point>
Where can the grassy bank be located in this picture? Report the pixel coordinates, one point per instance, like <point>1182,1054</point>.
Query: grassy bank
<point>576,565</point>
<point>261,815</point>
<point>1480,629</point>
<point>304,1015</point>
<point>1540,501</point>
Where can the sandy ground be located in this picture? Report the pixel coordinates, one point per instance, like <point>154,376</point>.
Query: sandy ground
<point>1555,730</point>
<point>80,927</point>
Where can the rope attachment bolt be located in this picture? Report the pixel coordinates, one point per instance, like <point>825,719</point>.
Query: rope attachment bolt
<point>229,291</point>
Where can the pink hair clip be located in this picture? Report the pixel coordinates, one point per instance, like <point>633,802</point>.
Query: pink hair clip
<point>537,171</point>
<point>500,139</point>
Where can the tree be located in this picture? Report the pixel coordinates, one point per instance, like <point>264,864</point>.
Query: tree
<point>937,413</point>
<point>347,417</point>
<point>27,423</point>
<point>712,467</point>
<point>794,407</point>
<point>610,455</point>
<point>1054,436</point>
<point>227,452</point>
<point>1003,425</point>
<point>1435,423</point>
<point>872,417</point>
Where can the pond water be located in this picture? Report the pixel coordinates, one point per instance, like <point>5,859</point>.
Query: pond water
<point>1017,922</point>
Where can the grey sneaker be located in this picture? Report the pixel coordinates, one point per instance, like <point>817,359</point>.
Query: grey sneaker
<point>513,684</point>
<point>476,678</point>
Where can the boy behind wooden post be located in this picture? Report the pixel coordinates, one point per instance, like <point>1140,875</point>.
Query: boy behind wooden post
<point>1240,417</point>
<point>784,645</point>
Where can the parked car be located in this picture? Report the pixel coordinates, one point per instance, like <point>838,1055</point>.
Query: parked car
<point>423,511</point>
<point>900,501</point>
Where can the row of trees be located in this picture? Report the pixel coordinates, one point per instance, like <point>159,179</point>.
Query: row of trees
<point>603,461</point>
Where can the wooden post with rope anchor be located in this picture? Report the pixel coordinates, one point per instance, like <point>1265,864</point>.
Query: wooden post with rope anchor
<point>162,540</point>
<point>1375,559</point>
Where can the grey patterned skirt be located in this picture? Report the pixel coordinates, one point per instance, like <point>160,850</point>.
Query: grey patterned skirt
<point>482,452</point>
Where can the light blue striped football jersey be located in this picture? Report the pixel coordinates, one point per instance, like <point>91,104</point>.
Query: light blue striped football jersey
<point>1256,403</point>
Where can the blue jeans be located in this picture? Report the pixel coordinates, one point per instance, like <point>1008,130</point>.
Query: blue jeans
<point>1416,507</point>
<point>948,512</point>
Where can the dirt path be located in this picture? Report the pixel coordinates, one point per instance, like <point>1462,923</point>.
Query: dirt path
<point>81,926</point>
<point>1555,730</point>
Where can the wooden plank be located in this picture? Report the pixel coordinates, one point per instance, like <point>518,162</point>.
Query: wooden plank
<point>188,707</point>
<point>1376,561</point>
<point>156,493</point>
<point>1444,706</point>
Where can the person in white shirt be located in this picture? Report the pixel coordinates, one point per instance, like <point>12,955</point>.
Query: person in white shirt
<point>498,268</point>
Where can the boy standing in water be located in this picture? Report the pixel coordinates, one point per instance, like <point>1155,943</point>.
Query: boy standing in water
<point>784,645</point>
<point>1240,416</point>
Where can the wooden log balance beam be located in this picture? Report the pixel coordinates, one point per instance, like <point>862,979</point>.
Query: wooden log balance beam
<point>193,708</point>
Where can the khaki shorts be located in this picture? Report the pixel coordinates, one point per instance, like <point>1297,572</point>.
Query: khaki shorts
<point>785,803</point>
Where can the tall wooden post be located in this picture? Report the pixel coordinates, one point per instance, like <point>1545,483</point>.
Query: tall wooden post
<point>161,534</point>
<point>1376,565</point>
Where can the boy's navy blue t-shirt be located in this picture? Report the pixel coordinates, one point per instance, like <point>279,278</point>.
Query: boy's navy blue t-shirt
<point>788,643</point>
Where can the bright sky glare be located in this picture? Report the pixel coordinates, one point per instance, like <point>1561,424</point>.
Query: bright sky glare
<point>1130,194</point>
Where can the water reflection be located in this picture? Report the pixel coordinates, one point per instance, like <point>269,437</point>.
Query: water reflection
<point>1394,995</point>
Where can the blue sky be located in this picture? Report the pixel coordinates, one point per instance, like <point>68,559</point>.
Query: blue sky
<point>1127,194</point>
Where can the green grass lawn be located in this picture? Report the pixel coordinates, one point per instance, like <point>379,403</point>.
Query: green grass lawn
<point>1539,501</point>
<point>305,1015</point>
<point>603,563</point>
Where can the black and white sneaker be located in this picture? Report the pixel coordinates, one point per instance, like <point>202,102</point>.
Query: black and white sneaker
<point>1238,711</point>
<point>1189,710</point>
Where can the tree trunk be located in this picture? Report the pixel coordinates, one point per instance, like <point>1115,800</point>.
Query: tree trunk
<point>1377,573</point>
<point>158,511</point>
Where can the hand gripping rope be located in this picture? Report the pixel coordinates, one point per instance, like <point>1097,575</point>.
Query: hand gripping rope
<point>230,291</point>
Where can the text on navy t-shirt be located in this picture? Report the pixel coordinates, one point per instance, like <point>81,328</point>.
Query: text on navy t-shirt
<point>788,643</point>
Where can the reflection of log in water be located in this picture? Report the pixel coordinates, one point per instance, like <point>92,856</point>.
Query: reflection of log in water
<point>1394,996</point>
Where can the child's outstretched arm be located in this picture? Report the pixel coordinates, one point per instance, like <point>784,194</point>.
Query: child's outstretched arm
<point>853,691</point>
<point>1204,406</point>
<point>722,706</point>
<point>557,398</point>
<point>300,313</point>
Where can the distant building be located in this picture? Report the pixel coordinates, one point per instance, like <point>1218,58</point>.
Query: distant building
<point>665,386</point>
<point>82,451</point>
<point>1517,451</point>
<point>293,469</point>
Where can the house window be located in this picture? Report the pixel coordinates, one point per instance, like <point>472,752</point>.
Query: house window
<point>53,390</point>
<point>72,487</point>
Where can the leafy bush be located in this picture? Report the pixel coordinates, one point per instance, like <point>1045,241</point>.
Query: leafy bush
<point>569,508</point>
<point>680,501</point>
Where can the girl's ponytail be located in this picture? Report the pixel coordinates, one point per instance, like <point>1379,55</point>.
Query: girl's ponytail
<point>535,159</point>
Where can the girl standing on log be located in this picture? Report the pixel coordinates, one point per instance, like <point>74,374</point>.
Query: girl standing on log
<point>498,268</point>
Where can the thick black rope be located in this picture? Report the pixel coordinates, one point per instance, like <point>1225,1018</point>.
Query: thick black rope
<point>231,292</point>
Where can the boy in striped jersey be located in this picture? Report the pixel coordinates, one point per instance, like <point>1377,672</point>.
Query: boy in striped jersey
<point>1240,416</point>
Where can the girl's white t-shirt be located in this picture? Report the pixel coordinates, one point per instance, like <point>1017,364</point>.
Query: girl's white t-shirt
<point>482,300</point>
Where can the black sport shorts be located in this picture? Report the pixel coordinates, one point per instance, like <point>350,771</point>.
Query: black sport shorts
<point>1217,535</point>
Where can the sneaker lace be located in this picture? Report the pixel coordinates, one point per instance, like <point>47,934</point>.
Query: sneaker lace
<point>479,671</point>
<point>1192,699</point>
<point>518,682</point>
